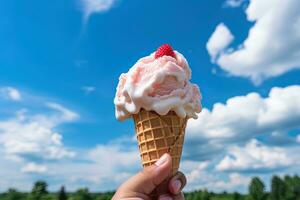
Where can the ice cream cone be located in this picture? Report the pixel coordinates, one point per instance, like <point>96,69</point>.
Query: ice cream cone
<point>159,134</point>
<point>159,83</point>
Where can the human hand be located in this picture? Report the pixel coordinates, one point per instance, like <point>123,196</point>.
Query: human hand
<point>140,186</point>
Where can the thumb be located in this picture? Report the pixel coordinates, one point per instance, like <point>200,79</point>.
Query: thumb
<point>146,181</point>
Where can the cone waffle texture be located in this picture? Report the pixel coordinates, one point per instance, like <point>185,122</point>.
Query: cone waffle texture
<point>159,134</point>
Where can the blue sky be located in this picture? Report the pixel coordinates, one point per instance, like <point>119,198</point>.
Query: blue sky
<point>60,63</point>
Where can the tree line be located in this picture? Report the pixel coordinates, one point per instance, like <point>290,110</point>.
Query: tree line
<point>286,188</point>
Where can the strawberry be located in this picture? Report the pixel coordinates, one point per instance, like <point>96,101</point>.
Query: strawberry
<point>164,50</point>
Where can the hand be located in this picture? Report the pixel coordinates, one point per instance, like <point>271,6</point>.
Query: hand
<point>140,186</point>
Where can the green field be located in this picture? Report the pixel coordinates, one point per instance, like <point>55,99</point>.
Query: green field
<point>287,188</point>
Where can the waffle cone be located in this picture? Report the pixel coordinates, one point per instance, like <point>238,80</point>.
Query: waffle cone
<point>159,134</point>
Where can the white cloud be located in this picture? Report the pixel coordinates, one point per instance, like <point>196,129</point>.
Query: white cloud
<point>11,175</point>
<point>31,138</point>
<point>32,146</point>
<point>219,40</point>
<point>10,93</point>
<point>298,138</point>
<point>244,117</point>
<point>88,89</point>
<point>257,9</point>
<point>235,181</point>
<point>200,175</point>
<point>105,166</point>
<point>90,7</point>
<point>195,171</point>
<point>27,138</point>
<point>234,3</point>
<point>254,156</point>
<point>228,128</point>
<point>34,168</point>
<point>267,51</point>
<point>224,138</point>
<point>114,156</point>
<point>64,113</point>
<point>102,167</point>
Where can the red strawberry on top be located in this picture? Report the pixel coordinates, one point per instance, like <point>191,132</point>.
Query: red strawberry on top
<point>164,50</point>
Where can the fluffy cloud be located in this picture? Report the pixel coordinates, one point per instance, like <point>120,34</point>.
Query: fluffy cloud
<point>31,146</point>
<point>11,175</point>
<point>202,175</point>
<point>244,117</point>
<point>125,158</point>
<point>90,7</point>
<point>234,141</point>
<point>235,180</point>
<point>254,156</point>
<point>220,150</point>
<point>34,168</point>
<point>31,138</point>
<point>104,167</point>
<point>219,40</point>
<point>10,93</point>
<point>226,135</point>
<point>267,51</point>
<point>195,170</point>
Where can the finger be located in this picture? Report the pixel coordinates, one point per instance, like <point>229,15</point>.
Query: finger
<point>165,197</point>
<point>179,196</point>
<point>147,180</point>
<point>177,182</point>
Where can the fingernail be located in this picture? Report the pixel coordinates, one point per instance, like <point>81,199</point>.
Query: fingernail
<point>176,185</point>
<point>165,197</point>
<point>162,160</point>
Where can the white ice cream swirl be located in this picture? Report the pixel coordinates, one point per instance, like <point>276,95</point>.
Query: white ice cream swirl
<point>161,85</point>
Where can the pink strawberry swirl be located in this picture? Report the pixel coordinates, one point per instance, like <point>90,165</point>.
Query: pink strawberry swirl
<point>160,85</point>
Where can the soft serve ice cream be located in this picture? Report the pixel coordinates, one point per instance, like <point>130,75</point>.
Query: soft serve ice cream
<point>159,82</point>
